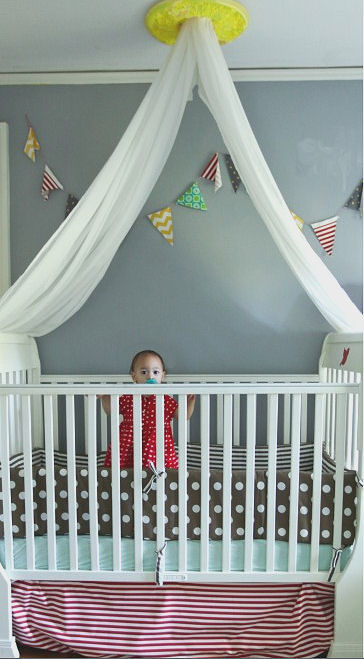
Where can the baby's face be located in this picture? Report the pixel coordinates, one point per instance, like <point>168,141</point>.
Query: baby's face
<point>147,368</point>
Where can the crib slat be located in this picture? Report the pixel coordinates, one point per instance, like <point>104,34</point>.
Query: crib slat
<point>92,481</point>
<point>227,468</point>
<point>17,413</point>
<point>236,421</point>
<point>287,419</point>
<point>5,470</point>
<point>326,376</point>
<point>219,418</point>
<point>37,412</point>
<point>28,481</point>
<point>294,483</point>
<point>250,480</point>
<point>304,419</point>
<point>354,448</point>
<point>71,481</point>
<point>204,502</point>
<point>115,482</point>
<point>49,453</point>
<point>341,409</point>
<point>85,418</point>
<point>354,444</point>
<point>138,501</point>
<point>14,440</point>
<point>182,483</point>
<point>55,422</point>
<point>332,415</point>
<point>317,478</point>
<point>272,428</point>
<point>103,428</point>
<point>349,430</point>
<point>161,480</point>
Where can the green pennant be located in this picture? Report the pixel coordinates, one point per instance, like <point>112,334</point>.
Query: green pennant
<point>192,198</point>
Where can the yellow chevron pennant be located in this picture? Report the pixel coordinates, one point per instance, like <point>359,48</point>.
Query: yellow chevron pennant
<point>162,220</point>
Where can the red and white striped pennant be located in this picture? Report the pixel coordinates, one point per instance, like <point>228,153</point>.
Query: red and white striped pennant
<point>212,171</point>
<point>49,183</point>
<point>325,233</point>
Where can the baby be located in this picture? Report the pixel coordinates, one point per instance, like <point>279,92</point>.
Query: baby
<point>146,367</point>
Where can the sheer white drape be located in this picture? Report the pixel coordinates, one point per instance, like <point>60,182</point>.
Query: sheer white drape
<point>70,265</point>
<point>217,90</point>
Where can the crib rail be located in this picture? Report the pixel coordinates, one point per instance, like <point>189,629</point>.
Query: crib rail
<point>338,376</point>
<point>244,396</point>
<point>196,379</point>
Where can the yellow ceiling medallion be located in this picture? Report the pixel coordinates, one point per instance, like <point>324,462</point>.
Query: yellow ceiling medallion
<point>229,18</point>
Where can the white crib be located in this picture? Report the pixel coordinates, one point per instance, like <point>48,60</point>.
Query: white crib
<point>39,416</point>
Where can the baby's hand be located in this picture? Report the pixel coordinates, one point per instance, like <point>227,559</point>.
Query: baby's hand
<point>190,404</point>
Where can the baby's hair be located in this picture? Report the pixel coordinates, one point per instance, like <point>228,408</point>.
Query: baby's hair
<point>144,353</point>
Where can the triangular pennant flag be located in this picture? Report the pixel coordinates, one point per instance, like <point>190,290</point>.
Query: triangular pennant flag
<point>234,176</point>
<point>299,221</point>
<point>325,233</point>
<point>49,183</point>
<point>31,145</point>
<point>162,220</point>
<point>354,201</point>
<point>72,201</point>
<point>212,171</point>
<point>192,198</point>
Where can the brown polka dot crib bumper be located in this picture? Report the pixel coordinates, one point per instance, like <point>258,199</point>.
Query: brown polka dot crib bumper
<point>216,492</point>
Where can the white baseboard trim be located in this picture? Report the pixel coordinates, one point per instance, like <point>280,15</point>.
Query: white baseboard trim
<point>8,649</point>
<point>345,651</point>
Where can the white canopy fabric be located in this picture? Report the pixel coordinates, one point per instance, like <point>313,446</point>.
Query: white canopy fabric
<point>71,264</point>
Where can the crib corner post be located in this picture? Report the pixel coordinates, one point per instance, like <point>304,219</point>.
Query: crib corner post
<point>8,647</point>
<point>348,640</point>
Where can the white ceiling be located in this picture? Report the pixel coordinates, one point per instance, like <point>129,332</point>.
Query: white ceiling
<point>109,35</point>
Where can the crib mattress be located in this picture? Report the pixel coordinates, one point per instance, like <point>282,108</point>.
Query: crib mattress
<point>171,555</point>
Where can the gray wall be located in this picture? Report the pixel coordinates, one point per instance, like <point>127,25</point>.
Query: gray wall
<point>222,300</point>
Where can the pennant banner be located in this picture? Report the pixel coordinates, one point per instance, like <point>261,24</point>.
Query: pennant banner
<point>212,172</point>
<point>192,198</point>
<point>72,201</point>
<point>299,221</point>
<point>325,233</point>
<point>32,145</point>
<point>162,220</point>
<point>49,183</point>
<point>354,201</point>
<point>234,176</point>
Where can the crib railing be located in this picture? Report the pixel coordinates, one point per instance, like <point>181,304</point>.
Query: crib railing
<point>342,430</point>
<point>216,432</point>
<point>338,376</point>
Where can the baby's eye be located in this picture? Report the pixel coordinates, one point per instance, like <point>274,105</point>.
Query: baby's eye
<point>143,371</point>
<point>156,372</point>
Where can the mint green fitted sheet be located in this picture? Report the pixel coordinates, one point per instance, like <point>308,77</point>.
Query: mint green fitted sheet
<point>171,555</point>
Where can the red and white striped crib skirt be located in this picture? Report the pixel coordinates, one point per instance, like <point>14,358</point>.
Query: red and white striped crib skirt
<point>101,619</point>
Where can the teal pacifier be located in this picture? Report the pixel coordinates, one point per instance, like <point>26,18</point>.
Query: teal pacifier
<point>151,381</point>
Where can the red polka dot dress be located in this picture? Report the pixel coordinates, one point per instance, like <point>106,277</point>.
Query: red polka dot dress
<point>148,432</point>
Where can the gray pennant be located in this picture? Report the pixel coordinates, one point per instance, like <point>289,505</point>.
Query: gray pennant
<point>234,176</point>
<point>354,201</point>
